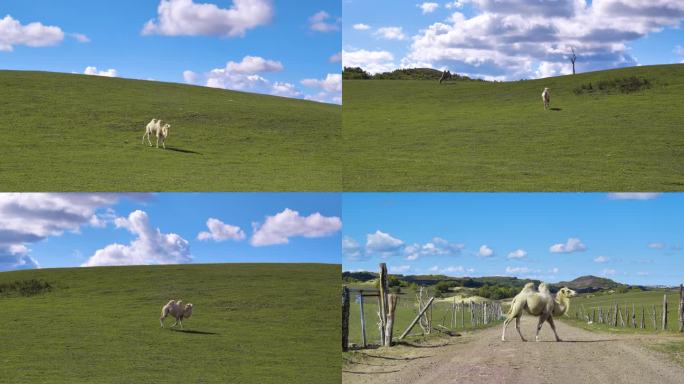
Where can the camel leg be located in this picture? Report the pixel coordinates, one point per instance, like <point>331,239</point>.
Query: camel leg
<point>157,141</point>
<point>517,327</point>
<point>161,321</point>
<point>164,143</point>
<point>553,326</point>
<point>503,335</point>
<point>542,319</point>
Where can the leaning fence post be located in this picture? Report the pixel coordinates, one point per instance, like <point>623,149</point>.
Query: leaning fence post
<point>413,323</point>
<point>391,306</point>
<point>363,320</point>
<point>345,318</point>
<point>665,312</point>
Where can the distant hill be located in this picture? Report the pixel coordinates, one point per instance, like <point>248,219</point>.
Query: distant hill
<point>589,283</point>
<point>356,73</point>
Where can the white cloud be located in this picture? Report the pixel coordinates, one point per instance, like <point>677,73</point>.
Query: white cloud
<point>191,77</point>
<point>351,249</point>
<point>254,64</point>
<point>633,196</point>
<point>398,269</point>
<point>331,83</point>
<point>383,244</point>
<point>656,245</point>
<point>485,251</point>
<point>361,27</point>
<point>436,247</point>
<point>517,254</point>
<point>219,231</point>
<point>517,270</point>
<point>13,33</point>
<point>150,246</point>
<point>428,7</point>
<point>678,50</point>
<point>319,22</point>
<point>280,228</point>
<point>285,89</point>
<point>390,33</point>
<point>608,272</point>
<point>93,71</point>
<point>371,61</point>
<point>336,58</point>
<point>572,245</point>
<point>523,39</point>
<point>554,270</point>
<point>602,259</point>
<point>81,38</point>
<point>187,18</point>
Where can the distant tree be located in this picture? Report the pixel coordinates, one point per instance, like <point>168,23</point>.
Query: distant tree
<point>355,73</point>
<point>573,58</point>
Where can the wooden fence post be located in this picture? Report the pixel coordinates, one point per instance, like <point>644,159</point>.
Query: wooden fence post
<point>615,317</point>
<point>383,302</point>
<point>453,314</point>
<point>413,323</point>
<point>391,306</point>
<point>363,320</point>
<point>462,314</point>
<point>643,317</point>
<point>345,318</point>
<point>664,312</point>
<point>681,307</point>
<point>655,315</point>
<point>633,316</point>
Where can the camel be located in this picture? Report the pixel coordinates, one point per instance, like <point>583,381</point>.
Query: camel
<point>159,129</point>
<point>177,310</point>
<point>538,303</point>
<point>546,98</point>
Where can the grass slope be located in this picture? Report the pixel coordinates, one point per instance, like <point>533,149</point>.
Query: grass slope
<point>252,323</point>
<point>485,136</point>
<point>638,298</point>
<point>63,132</point>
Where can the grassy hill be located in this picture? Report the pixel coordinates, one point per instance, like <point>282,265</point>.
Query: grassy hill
<point>602,133</point>
<point>63,132</point>
<point>252,323</point>
<point>588,284</point>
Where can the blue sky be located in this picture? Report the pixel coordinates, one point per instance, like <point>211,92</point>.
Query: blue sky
<point>68,230</point>
<point>301,37</point>
<point>511,39</point>
<point>635,239</point>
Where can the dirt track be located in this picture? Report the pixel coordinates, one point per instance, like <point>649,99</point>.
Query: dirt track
<point>481,357</point>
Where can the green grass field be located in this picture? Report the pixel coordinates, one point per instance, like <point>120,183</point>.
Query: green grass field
<point>63,132</point>
<point>403,135</point>
<point>639,298</point>
<point>252,323</point>
<point>405,313</point>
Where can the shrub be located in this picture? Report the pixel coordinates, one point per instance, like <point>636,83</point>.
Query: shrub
<point>623,85</point>
<point>25,287</point>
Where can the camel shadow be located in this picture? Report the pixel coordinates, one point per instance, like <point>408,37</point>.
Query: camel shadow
<point>369,373</point>
<point>555,109</point>
<point>397,358</point>
<point>574,341</point>
<point>194,332</point>
<point>182,150</point>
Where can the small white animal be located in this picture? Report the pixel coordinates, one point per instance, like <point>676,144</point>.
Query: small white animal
<point>159,129</point>
<point>177,310</point>
<point>546,97</point>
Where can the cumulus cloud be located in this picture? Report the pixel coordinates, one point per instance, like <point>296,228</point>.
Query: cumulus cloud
<point>570,246</point>
<point>81,38</point>
<point>336,58</point>
<point>371,61</point>
<point>13,33</point>
<point>656,245</point>
<point>518,270</point>
<point>634,196</point>
<point>398,269</point>
<point>436,247</point>
<point>517,254</point>
<point>278,229</point>
<point>602,259</point>
<point>451,270</point>
<point>485,251</point>
<point>285,89</point>
<point>330,88</point>
<point>608,272</point>
<point>361,27</point>
<point>191,77</point>
<point>27,218</point>
<point>93,71</point>
<point>523,39</point>
<point>351,249</point>
<point>320,22</point>
<point>454,5</point>
<point>187,18</point>
<point>219,231</point>
<point>383,244</point>
<point>254,64</point>
<point>428,7</point>
<point>390,33</point>
<point>150,246</point>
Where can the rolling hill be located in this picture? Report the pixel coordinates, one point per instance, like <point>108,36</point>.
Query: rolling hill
<point>252,323</point>
<point>616,130</point>
<point>64,132</point>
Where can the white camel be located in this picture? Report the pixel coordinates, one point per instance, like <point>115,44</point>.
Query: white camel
<point>546,97</point>
<point>159,129</point>
<point>538,303</point>
<point>177,310</point>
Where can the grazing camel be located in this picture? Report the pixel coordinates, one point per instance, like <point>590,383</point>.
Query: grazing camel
<point>177,310</point>
<point>546,97</point>
<point>159,129</point>
<point>538,303</point>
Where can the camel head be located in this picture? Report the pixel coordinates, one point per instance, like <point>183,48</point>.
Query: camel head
<point>165,129</point>
<point>187,312</point>
<point>565,292</point>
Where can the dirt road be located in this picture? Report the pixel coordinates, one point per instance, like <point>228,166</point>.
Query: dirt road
<point>481,357</point>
